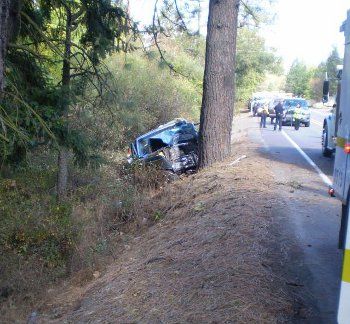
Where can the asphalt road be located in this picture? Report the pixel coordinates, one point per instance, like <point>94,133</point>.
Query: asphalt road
<point>310,218</point>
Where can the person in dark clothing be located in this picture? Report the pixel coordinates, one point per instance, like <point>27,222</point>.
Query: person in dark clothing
<point>264,113</point>
<point>279,116</point>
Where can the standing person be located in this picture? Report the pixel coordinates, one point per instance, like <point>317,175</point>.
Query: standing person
<point>297,116</point>
<point>255,108</point>
<point>263,116</point>
<point>279,115</point>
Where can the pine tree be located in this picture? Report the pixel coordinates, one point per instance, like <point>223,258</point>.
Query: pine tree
<point>72,36</point>
<point>218,88</point>
<point>101,25</point>
<point>331,66</point>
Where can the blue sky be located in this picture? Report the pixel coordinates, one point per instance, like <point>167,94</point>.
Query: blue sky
<point>303,29</point>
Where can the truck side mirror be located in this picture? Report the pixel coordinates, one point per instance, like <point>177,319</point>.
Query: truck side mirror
<point>325,91</point>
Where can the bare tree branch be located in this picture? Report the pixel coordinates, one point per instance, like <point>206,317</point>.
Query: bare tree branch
<point>250,11</point>
<point>180,16</point>
<point>155,37</point>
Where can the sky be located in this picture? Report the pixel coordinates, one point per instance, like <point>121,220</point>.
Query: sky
<point>307,29</point>
<point>303,29</point>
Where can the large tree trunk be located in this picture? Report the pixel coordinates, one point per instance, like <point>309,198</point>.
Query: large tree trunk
<point>218,85</point>
<point>9,20</point>
<point>4,17</point>
<point>63,155</point>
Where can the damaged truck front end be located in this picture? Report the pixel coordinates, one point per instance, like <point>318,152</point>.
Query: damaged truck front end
<point>172,147</point>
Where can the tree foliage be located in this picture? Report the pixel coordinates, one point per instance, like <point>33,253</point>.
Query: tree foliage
<point>142,94</point>
<point>253,62</point>
<point>329,67</point>
<point>298,79</point>
<point>308,81</point>
<point>331,64</point>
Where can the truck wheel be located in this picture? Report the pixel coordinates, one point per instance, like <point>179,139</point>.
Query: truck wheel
<point>325,150</point>
<point>307,124</point>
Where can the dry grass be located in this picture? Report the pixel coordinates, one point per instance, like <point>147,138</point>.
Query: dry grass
<point>208,259</point>
<point>108,208</point>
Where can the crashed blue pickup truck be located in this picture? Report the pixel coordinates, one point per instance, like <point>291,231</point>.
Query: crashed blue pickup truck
<point>172,147</point>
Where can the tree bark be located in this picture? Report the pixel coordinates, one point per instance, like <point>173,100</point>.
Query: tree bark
<point>4,17</point>
<point>218,86</point>
<point>63,154</point>
<point>62,177</point>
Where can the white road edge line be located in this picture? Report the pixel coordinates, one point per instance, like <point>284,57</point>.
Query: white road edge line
<point>324,178</point>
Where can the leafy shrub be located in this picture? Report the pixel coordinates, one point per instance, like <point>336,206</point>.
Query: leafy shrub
<point>142,95</point>
<point>37,235</point>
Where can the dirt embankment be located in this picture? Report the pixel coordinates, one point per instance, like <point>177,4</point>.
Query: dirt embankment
<point>213,257</point>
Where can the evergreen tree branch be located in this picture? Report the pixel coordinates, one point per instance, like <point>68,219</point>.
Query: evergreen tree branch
<point>17,97</point>
<point>29,50</point>
<point>46,39</point>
